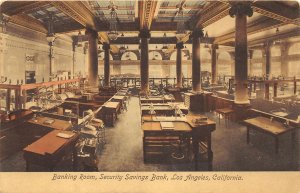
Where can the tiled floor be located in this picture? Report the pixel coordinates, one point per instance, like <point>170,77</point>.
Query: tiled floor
<point>123,151</point>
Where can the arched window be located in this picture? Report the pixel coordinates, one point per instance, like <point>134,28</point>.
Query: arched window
<point>275,68</point>
<point>129,56</point>
<point>183,55</point>
<point>155,55</point>
<point>101,56</point>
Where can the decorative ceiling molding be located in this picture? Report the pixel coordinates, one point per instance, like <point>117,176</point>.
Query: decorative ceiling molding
<point>147,10</point>
<point>211,13</point>
<point>277,11</point>
<point>13,8</point>
<point>260,25</point>
<point>289,34</point>
<point>28,22</point>
<point>78,11</point>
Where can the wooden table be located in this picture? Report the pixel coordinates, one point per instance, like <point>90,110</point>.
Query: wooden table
<point>156,99</point>
<point>57,124</point>
<point>273,128</point>
<point>197,132</point>
<point>49,150</point>
<point>162,109</point>
<point>226,112</point>
<point>110,112</point>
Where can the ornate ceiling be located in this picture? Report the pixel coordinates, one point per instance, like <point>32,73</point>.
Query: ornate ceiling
<point>157,16</point>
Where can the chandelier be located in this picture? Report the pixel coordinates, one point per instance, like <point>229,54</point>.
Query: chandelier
<point>181,32</point>
<point>122,49</point>
<point>165,46</point>
<point>113,33</point>
<point>277,42</point>
<point>50,35</point>
<point>3,22</point>
<point>206,40</point>
<point>79,39</point>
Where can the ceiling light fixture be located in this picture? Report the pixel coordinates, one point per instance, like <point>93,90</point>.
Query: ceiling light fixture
<point>122,49</point>
<point>112,33</point>
<point>50,35</point>
<point>206,40</point>
<point>79,39</point>
<point>165,46</point>
<point>181,32</point>
<point>277,42</point>
<point>3,23</point>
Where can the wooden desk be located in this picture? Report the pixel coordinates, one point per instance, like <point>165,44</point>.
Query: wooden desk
<point>157,99</point>
<point>162,109</point>
<point>273,128</point>
<point>49,150</point>
<point>57,124</point>
<point>119,98</point>
<point>110,112</point>
<point>197,132</point>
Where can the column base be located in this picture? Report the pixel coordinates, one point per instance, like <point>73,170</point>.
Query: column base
<point>241,111</point>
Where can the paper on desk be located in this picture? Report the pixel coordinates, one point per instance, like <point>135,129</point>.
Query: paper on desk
<point>65,135</point>
<point>167,125</point>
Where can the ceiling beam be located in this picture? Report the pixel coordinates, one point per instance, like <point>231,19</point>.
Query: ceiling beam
<point>146,11</point>
<point>278,11</point>
<point>28,22</point>
<point>16,7</point>
<point>289,34</point>
<point>213,12</point>
<point>78,11</point>
<point>257,26</point>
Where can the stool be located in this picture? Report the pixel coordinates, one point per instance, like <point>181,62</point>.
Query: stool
<point>226,112</point>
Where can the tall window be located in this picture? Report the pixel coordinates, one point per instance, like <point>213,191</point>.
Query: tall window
<point>275,69</point>
<point>256,64</point>
<point>294,64</point>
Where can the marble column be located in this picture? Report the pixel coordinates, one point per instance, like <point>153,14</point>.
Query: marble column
<point>241,10</point>
<point>267,59</point>
<point>284,47</point>
<point>196,69</point>
<point>93,57</point>
<point>144,35</point>
<point>214,63</point>
<point>179,46</point>
<point>106,82</point>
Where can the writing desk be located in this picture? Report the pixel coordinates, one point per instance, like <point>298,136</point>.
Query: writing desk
<point>182,126</point>
<point>162,108</point>
<point>57,124</point>
<point>156,99</point>
<point>273,128</point>
<point>110,112</point>
<point>49,150</point>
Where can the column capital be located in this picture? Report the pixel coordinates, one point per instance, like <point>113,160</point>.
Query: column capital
<point>106,46</point>
<point>241,8</point>
<point>267,46</point>
<point>179,45</point>
<point>197,33</point>
<point>144,33</point>
<point>91,32</point>
<point>214,46</point>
